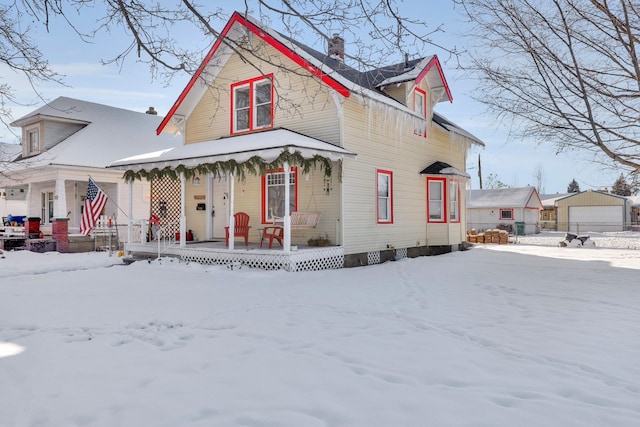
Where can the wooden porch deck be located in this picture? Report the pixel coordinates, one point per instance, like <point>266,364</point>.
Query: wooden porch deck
<point>305,258</point>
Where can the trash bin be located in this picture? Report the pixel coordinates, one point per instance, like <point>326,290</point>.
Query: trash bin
<point>32,227</point>
<point>519,228</point>
<point>33,224</point>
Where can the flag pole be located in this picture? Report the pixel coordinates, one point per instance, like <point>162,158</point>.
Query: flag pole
<point>114,202</point>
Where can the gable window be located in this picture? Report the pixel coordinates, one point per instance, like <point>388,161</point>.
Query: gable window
<point>454,196</point>
<point>384,196</point>
<point>252,104</point>
<point>420,107</point>
<point>33,137</point>
<point>436,199</point>
<point>506,214</point>
<point>273,194</point>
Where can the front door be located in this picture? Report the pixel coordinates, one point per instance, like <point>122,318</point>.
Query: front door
<point>46,207</point>
<point>220,206</point>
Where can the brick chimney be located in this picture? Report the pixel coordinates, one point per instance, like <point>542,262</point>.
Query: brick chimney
<point>152,111</point>
<point>336,47</point>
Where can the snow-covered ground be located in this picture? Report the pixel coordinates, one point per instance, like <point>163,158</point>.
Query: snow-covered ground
<point>527,334</point>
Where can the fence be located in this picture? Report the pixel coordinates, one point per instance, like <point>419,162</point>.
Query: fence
<point>603,227</point>
<point>526,228</point>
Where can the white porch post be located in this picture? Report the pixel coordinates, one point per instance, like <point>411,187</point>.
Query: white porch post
<point>130,219</point>
<point>209,206</point>
<point>60,200</point>
<point>232,219</point>
<point>287,214</point>
<point>30,203</point>
<point>183,211</point>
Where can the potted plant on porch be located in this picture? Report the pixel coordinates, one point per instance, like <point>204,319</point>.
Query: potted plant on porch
<point>319,241</point>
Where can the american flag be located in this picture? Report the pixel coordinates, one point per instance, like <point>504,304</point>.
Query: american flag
<point>93,206</point>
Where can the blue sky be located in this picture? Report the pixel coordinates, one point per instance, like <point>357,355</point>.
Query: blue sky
<point>130,86</point>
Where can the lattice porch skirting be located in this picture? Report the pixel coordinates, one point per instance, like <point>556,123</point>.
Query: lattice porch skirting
<point>325,258</point>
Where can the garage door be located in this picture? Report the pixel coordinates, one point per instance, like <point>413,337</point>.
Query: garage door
<point>583,219</point>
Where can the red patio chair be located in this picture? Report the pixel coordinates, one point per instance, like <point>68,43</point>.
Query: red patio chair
<point>241,228</point>
<point>271,233</point>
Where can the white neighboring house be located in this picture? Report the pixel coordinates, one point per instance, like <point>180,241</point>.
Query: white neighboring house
<point>13,198</point>
<point>67,141</point>
<point>516,208</point>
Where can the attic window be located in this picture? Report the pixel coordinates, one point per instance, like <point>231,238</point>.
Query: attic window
<point>33,138</point>
<point>252,104</point>
<point>420,107</point>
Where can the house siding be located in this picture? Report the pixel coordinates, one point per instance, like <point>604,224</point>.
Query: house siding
<point>302,104</point>
<point>54,133</point>
<point>384,138</point>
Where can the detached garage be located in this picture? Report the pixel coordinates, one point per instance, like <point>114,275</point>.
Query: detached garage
<point>591,211</point>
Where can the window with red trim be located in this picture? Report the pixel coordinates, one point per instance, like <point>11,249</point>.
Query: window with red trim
<point>252,104</point>
<point>273,194</point>
<point>436,197</point>
<point>506,214</point>
<point>420,107</point>
<point>454,201</point>
<point>384,196</point>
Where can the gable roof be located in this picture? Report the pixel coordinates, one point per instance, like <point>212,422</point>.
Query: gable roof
<point>518,197</point>
<point>337,75</point>
<point>109,134</point>
<point>602,193</point>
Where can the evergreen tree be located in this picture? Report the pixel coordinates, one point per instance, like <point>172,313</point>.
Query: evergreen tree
<point>573,187</point>
<point>621,187</point>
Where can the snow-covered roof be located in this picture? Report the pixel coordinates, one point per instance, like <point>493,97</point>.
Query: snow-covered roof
<point>9,152</point>
<point>518,197</point>
<point>448,125</point>
<point>635,201</point>
<point>549,200</point>
<point>442,168</point>
<point>268,145</point>
<point>109,134</point>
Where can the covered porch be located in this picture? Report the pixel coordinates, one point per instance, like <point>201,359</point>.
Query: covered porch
<point>269,175</point>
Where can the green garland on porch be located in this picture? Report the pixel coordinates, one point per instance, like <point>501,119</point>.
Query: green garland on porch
<point>254,165</point>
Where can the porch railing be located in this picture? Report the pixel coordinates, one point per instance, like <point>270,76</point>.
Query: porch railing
<point>163,235</point>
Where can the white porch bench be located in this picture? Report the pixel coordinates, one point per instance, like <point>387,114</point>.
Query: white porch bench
<point>301,220</point>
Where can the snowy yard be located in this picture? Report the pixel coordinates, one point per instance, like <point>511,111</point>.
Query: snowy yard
<point>527,334</point>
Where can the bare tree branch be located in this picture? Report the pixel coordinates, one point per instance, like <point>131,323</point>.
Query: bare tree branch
<point>151,27</point>
<point>565,71</point>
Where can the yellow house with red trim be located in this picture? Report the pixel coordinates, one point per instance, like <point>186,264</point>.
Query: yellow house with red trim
<point>271,127</point>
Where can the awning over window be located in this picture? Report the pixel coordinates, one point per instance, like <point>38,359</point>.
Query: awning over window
<point>267,145</point>
<point>442,168</point>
